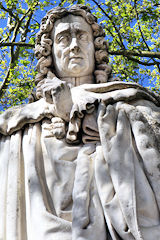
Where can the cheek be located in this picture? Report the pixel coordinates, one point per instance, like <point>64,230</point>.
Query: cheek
<point>65,52</point>
<point>62,53</point>
<point>91,49</point>
<point>91,58</point>
<point>57,53</point>
<point>88,50</point>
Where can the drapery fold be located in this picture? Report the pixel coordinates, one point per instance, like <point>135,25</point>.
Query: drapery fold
<point>12,198</point>
<point>134,192</point>
<point>108,189</point>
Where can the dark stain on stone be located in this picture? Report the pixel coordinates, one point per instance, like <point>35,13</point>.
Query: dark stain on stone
<point>158,166</point>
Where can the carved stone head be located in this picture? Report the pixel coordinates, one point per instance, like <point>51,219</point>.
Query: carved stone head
<point>73,47</point>
<point>70,43</point>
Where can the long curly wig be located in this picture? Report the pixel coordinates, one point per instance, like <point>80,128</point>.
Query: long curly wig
<point>43,46</point>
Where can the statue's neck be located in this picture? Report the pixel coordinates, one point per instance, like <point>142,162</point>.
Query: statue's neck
<point>76,81</point>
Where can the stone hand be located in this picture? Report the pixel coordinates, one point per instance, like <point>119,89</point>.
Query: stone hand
<point>58,127</point>
<point>58,92</point>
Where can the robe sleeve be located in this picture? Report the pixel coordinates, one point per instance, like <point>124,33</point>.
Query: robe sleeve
<point>15,118</point>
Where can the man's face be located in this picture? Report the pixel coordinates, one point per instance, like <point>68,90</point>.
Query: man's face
<point>73,47</point>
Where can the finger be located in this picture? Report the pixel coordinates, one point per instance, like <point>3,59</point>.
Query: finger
<point>101,109</point>
<point>59,133</point>
<point>58,125</point>
<point>41,83</point>
<point>57,120</point>
<point>49,110</point>
<point>50,75</point>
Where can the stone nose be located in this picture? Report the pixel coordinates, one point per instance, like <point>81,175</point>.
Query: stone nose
<point>74,47</point>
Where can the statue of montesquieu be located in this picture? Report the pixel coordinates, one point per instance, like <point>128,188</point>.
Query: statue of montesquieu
<point>82,161</point>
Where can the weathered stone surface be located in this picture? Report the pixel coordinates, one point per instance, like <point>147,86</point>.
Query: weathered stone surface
<point>82,162</point>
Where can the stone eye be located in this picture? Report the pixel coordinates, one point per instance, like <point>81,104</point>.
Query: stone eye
<point>63,39</point>
<point>83,37</point>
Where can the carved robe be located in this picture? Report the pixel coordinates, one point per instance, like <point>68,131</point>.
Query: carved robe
<point>106,187</point>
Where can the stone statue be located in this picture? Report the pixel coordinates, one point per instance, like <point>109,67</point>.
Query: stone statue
<point>82,161</point>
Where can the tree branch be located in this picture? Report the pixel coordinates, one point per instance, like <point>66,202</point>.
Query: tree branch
<point>5,81</point>
<point>23,35</point>
<point>140,29</point>
<point>136,53</point>
<point>9,11</point>
<point>21,44</point>
<point>26,26</point>
<point>114,25</point>
<point>12,44</point>
<point>139,26</point>
<point>140,62</point>
<point>112,35</point>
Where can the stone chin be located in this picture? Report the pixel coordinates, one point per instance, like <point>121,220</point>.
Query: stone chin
<point>75,69</point>
<point>78,70</point>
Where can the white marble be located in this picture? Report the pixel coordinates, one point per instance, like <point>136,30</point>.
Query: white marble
<point>73,47</point>
<point>82,162</point>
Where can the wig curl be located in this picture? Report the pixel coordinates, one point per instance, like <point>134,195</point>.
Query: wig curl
<point>43,47</point>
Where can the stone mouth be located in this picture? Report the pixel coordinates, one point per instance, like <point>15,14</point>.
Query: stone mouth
<point>75,57</point>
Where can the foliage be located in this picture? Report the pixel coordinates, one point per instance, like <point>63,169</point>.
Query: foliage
<point>132,28</point>
<point>20,21</point>
<point>133,32</point>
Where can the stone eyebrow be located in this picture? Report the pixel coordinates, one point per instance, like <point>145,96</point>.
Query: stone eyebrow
<point>62,32</point>
<point>68,30</point>
<point>80,29</point>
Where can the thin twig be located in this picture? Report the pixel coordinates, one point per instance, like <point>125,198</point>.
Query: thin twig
<point>140,62</point>
<point>9,11</point>
<point>140,29</point>
<point>23,35</point>
<point>12,44</point>
<point>114,25</point>
<point>139,25</point>
<point>112,35</point>
<point>5,81</point>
